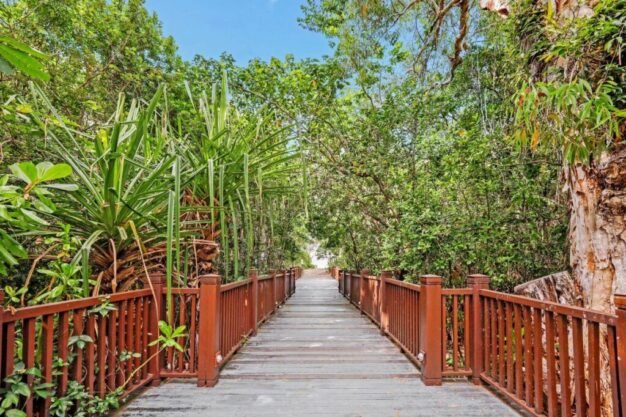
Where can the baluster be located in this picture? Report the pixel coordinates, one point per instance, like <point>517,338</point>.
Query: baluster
<point>528,355</point>
<point>563,334</point>
<point>101,354</point>
<point>46,356</point>
<point>593,364</point>
<point>519,352</point>
<point>28,355</point>
<point>64,335</point>
<point>538,365</point>
<point>550,357</point>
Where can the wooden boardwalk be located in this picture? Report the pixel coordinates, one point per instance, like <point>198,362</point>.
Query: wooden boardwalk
<point>317,357</point>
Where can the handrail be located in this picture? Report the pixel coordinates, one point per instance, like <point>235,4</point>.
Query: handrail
<point>574,311</point>
<point>65,306</point>
<point>407,285</point>
<point>234,285</point>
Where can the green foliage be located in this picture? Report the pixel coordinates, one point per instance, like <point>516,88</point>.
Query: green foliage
<point>575,101</point>
<point>18,57</point>
<point>16,390</point>
<point>169,336</point>
<point>120,188</point>
<point>65,282</point>
<point>413,175</point>
<point>25,203</point>
<point>573,116</point>
<point>95,50</point>
<point>256,164</point>
<point>77,401</point>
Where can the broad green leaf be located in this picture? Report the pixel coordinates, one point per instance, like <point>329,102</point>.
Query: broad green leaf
<point>21,389</point>
<point>56,172</point>
<point>26,171</point>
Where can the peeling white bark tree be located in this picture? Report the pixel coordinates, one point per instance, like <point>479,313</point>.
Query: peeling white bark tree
<point>598,228</point>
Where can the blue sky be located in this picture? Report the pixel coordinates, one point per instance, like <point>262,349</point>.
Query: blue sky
<point>245,28</point>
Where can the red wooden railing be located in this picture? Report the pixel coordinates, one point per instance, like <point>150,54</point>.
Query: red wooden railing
<point>354,288</point>
<point>371,297</point>
<point>456,332</point>
<point>95,345</point>
<point>235,307</point>
<point>402,308</point>
<point>267,299</point>
<point>546,357</point>
<point>104,342</point>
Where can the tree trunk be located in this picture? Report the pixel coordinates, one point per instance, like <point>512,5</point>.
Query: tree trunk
<point>598,228</point>
<point>598,240</point>
<point>559,287</point>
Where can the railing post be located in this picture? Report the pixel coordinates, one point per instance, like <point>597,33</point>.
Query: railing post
<point>620,332</point>
<point>340,282</point>
<point>477,282</point>
<point>292,275</point>
<point>274,291</point>
<point>209,331</point>
<point>254,300</point>
<point>156,314</point>
<point>362,288</point>
<point>286,278</point>
<point>430,324</point>
<point>349,278</point>
<point>350,289</point>
<point>384,317</point>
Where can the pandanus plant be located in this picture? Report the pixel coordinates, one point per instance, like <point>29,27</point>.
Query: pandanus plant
<point>124,176</point>
<point>246,164</point>
<point>148,201</point>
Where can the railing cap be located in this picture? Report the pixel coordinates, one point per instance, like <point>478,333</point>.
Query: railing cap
<point>211,279</point>
<point>478,279</point>
<point>431,280</point>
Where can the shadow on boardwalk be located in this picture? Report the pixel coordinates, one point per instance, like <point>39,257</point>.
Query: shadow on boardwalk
<point>318,357</point>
